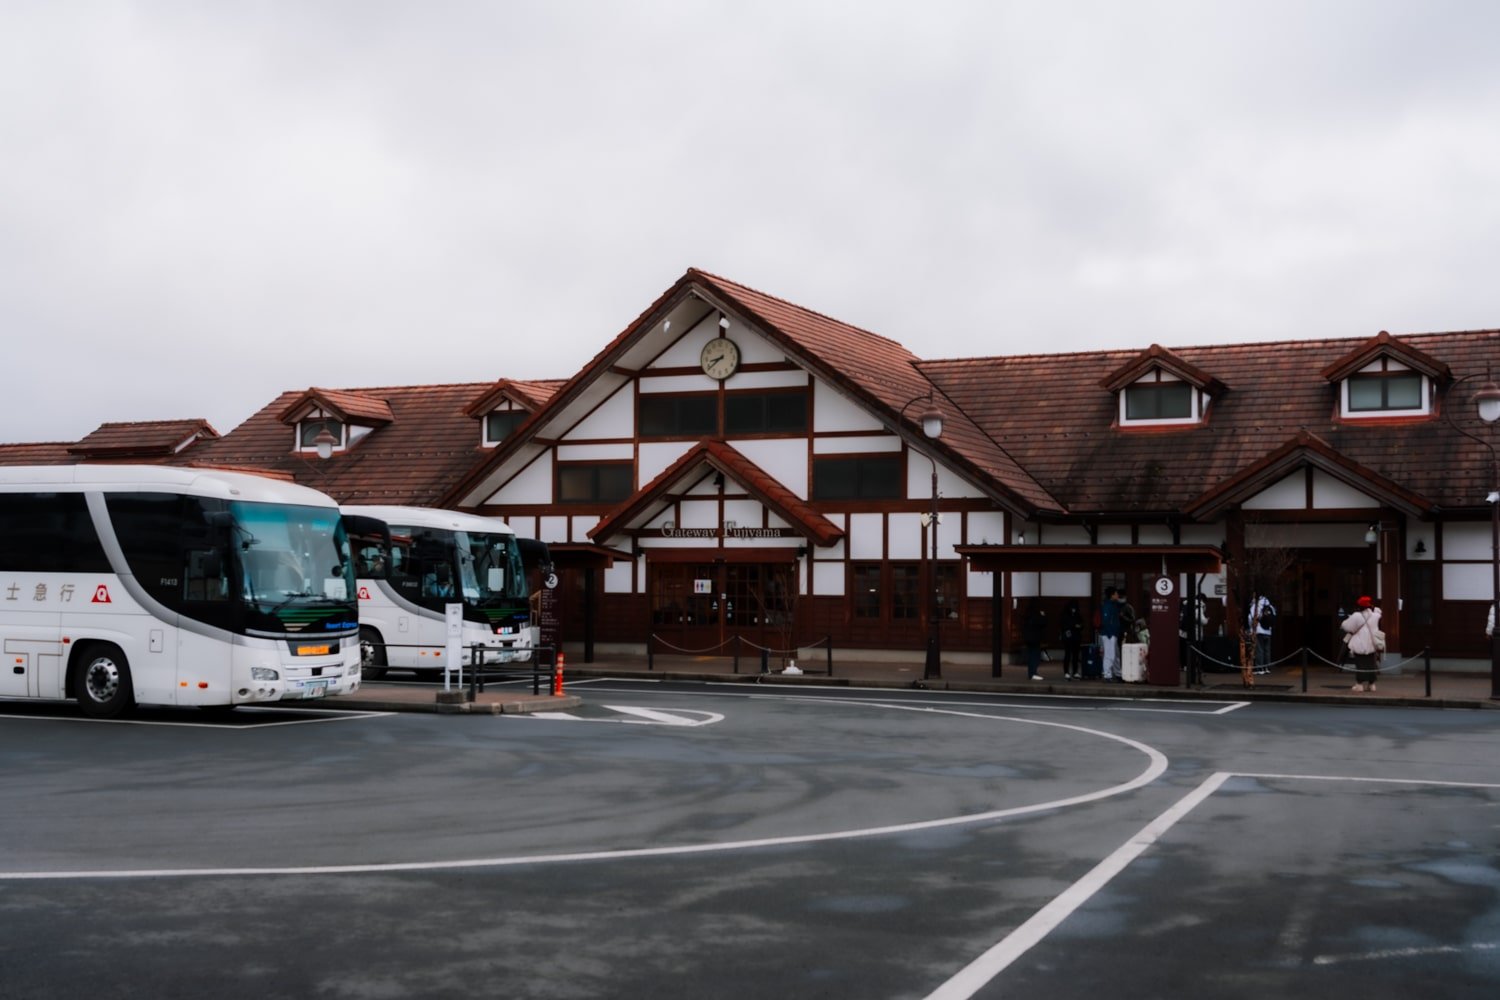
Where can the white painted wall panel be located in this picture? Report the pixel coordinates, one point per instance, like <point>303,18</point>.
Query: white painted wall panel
<point>617,578</point>
<point>828,579</point>
<point>614,419</point>
<point>699,514</point>
<point>1426,534</point>
<point>857,445</point>
<point>769,380</point>
<point>950,533</point>
<point>1113,534</point>
<point>784,461</point>
<point>1289,493</point>
<point>622,452</point>
<point>581,526</point>
<point>980,584</point>
<point>688,348</point>
<point>554,529</point>
<point>1067,584</point>
<point>834,551</point>
<point>525,527</point>
<point>1023,585</point>
<point>656,456</point>
<point>905,540</point>
<point>651,384</point>
<point>986,527</point>
<point>704,486</point>
<point>1329,493</point>
<point>866,536</point>
<point>1154,534</point>
<point>1467,540</point>
<point>745,513</point>
<point>1469,582</point>
<point>832,412</point>
<point>532,485</point>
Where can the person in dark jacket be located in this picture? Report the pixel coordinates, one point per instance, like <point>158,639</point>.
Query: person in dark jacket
<point>1033,630</point>
<point>1071,628</point>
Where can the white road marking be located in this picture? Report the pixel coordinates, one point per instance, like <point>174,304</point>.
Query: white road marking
<point>1157,764</point>
<point>972,977</point>
<point>641,716</point>
<point>1385,953</point>
<point>330,715</point>
<point>1019,941</point>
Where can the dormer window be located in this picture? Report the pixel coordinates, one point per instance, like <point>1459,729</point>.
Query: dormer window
<point>1385,389</point>
<point>1160,388</point>
<point>1384,377</point>
<point>498,424</point>
<point>1161,399</point>
<point>310,427</point>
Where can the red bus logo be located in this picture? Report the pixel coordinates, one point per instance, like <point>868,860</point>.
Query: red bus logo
<point>364,593</point>
<point>101,595</point>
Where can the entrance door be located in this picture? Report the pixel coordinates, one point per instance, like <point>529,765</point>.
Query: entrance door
<point>700,608</point>
<point>1315,593</point>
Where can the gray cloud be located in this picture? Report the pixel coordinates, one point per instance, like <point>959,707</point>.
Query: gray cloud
<point>205,204</point>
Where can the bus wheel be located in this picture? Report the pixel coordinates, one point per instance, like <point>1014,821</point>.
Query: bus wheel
<point>371,653</point>
<point>101,681</point>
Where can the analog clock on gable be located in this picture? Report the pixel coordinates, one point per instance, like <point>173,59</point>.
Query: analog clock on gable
<point>720,358</point>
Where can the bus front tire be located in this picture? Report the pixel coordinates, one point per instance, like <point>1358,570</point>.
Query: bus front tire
<point>101,681</point>
<point>371,653</point>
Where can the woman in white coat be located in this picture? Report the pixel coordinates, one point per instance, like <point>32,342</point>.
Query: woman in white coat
<point>1361,628</point>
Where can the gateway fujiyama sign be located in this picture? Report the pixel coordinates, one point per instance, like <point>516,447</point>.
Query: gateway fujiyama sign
<point>729,529</point>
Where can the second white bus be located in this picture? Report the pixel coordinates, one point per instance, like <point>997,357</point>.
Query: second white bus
<point>435,558</point>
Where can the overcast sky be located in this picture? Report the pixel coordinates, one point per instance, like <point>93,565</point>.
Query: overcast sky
<point>203,204</point>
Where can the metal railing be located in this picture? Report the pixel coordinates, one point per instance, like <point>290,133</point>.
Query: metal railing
<point>539,663</point>
<point>739,642</point>
<point>1193,674</point>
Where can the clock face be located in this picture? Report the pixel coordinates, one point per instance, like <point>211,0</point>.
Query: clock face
<point>720,358</point>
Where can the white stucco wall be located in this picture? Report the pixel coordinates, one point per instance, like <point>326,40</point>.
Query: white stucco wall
<point>832,412</point>
<point>532,484</point>
<point>614,418</point>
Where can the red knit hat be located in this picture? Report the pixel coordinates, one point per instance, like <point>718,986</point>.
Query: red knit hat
<point>1365,602</point>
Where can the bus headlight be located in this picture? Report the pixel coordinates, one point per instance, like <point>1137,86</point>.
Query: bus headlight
<point>263,674</point>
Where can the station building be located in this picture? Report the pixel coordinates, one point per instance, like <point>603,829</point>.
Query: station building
<point>735,471</point>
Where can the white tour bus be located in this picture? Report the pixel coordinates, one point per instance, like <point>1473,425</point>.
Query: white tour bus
<point>434,558</point>
<point>126,584</point>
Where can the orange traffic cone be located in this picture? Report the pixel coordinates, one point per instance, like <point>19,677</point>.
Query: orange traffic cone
<point>557,675</point>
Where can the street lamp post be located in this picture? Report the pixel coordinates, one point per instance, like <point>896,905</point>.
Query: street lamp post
<point>932,429</point>
<point>1487,406</point>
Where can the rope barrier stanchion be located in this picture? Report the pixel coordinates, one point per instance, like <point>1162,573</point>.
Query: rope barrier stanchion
<point>828,639</point>
<point>651,653</point>
<point>1427,668</point>
<point>738,642</point>
<point>765,659</point>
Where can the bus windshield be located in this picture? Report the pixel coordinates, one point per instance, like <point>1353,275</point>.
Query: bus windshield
<point>489,566</point>
<point>291,555</point>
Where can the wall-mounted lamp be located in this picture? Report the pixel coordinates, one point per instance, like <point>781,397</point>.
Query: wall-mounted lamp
<point>1372,534</point>
<point>718,480</point>
<point>723,322</point>
<point>801,551</point>
<point>1020,538</point>
<point>1421,547</point>
<point>666,326</point>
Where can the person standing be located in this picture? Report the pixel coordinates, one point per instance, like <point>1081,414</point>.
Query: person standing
<point>1262,621</point>
<point>1033,629</point>
<point>1109,635</point>
<point>1361,628</point>
<point>1071,628</point>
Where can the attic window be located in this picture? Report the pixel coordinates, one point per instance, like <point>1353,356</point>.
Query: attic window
<point>309,427</point>
<point>1160,399</point>
<point>1385,389</point>
<point>498,424</point>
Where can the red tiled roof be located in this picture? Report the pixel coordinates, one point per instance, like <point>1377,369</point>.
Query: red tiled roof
<point>721,457</point>
<point>1061,426</point>
<point>426,444</point>
<point>37,453</point>
<point>1157,356</point>
<point>141,439</point>
<point>1384,343</point>
<point>362,407</point>
<point>529,395</point>
<point>874,369</point>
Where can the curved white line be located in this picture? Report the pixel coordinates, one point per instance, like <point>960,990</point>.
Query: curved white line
<point>1158,764</point>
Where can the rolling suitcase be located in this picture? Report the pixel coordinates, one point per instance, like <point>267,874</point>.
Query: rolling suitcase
<point>1091,666</point>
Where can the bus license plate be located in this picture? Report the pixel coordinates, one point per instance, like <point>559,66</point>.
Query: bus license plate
<point>314,689</point>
